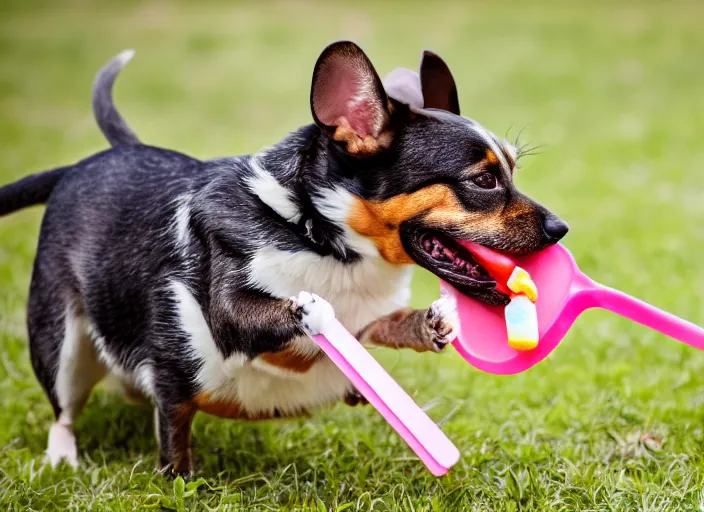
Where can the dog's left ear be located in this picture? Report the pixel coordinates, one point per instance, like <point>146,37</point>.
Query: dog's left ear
<point>438,86</point>
<point>348,100</point>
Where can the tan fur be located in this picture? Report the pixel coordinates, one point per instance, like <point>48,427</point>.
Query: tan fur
<point>405,328</point>
<point>491,157</point>
<point>222,408</point>
<point>380,220</point>
<point>231,408</point>
<point>291,359</point>
<point>358,145</point>
<point>180,443</point>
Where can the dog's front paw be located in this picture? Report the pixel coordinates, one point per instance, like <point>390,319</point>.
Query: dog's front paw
<point>312,312</point>
<point>443,322</point>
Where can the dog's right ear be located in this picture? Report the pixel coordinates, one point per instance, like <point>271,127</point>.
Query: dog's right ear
<point>348,100</point>
<point>437,84</point>
<point>434,87</point>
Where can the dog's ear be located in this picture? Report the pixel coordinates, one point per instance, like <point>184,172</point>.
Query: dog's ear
<point>348,100</point>
<point>403,85</point>
<point>437,85</point>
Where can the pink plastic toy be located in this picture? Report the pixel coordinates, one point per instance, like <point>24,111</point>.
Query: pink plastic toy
<point>564,292</point>
<point>424,437</point>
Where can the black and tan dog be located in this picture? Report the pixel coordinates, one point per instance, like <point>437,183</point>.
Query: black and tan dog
<point>176,274</point>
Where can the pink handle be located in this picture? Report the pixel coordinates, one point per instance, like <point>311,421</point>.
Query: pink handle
<point>424,437</point>
<point>645,314</point>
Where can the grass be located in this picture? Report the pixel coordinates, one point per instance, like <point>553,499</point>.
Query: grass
<point>614,420</point>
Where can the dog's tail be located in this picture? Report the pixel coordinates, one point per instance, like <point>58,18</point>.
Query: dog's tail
<point>109,119</point>
<point>28,191</point>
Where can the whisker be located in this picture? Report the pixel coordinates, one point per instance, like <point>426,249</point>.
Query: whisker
<point>528,150</point>
<point>520,134</point>
<point>508,131</point>
<point>516,141</point>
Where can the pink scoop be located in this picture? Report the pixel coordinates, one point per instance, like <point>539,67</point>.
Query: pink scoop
<point>564,292</point>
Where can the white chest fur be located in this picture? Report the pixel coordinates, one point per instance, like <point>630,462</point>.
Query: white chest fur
<point>359,293</point>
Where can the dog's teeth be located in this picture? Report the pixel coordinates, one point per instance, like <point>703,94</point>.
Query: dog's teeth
<point>436,252</point>
<point>427,245</point>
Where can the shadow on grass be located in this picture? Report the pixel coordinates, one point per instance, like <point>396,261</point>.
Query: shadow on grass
<point>113,430</point>
<point>115,427</point>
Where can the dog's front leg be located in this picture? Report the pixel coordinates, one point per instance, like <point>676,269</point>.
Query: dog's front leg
<point>247,326</point>
<point>419,329</point>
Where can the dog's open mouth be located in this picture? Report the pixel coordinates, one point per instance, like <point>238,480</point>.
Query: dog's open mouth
<point>451,262</point>
<point>454,259</point>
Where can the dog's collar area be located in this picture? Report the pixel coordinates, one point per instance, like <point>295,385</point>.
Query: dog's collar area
<point>317,236</point>
<point>305,227</point>
<point>313,230</point>
<point>308,224</point>
<point>316,231</point>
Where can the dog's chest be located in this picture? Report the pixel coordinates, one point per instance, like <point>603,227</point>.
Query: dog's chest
<point>360,293</point>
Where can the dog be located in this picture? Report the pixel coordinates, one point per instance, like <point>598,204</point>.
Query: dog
<point>196,282</point>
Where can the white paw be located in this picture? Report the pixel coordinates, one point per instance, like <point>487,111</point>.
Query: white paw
<point>313,312</point>
<point>62,446</point>
<point>444,321</point>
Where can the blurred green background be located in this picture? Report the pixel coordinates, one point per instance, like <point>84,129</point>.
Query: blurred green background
<point>611,91</point>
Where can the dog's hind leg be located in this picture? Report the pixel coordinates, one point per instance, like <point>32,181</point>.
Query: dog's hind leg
<point>173,431</point>
<point>65,362</point>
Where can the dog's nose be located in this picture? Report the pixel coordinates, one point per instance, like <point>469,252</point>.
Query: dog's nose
<point>555,228</point>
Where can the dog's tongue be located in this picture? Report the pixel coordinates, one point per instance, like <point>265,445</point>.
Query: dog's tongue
<point>499,266</point>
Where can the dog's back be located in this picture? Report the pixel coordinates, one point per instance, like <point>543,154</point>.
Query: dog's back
<point>98,225</point>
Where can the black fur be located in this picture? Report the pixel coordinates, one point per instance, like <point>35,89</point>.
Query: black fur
<point>34,189</point>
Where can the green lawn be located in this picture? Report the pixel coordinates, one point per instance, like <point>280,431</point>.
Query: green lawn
<point>614,420</point>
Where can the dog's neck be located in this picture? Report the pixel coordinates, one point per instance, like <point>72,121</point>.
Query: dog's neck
<point>293,178</point>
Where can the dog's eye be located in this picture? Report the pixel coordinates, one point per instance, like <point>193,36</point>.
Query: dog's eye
<point>485,180</point>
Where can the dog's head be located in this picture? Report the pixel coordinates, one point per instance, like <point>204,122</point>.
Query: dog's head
<point>422,176</point>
